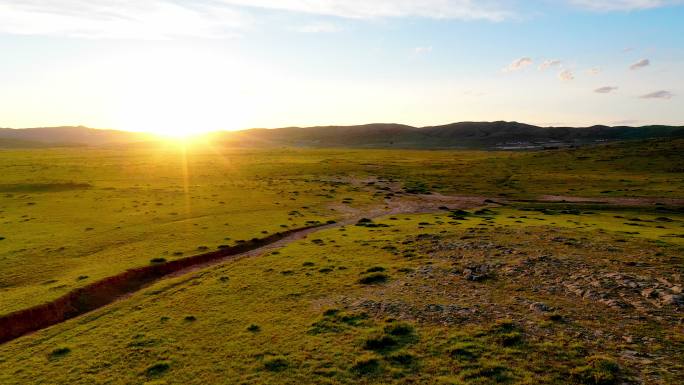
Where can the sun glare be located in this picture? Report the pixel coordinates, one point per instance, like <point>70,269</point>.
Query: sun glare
<point>180,97</point>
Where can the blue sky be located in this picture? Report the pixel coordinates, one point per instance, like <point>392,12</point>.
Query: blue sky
<point>175,66</point>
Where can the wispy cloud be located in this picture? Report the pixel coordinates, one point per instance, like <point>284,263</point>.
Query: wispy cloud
<point>160,19</point>
<point>422,50</point>
<point>605,90</point>
<point>549,63</point>
<point>640,64</point>
<point>494,10</point>
<point>153,19</point>
<point>566,75</point>
<point>623,5</point>
<point>626,122</point>
<point>320,27</point>
<point>518,64</point>
<point>594,71</point>
<point>658,95</point>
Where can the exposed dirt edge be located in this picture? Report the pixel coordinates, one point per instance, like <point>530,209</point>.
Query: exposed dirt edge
<point>107,290</point>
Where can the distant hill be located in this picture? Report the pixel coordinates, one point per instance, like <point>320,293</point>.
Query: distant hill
<point>486,135</point>
<point>504,135</point>
<point>68,135</point>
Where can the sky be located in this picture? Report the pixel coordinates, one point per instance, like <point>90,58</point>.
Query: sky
<point>189,66</point>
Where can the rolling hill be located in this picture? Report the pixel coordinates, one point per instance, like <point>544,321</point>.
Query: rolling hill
<point>486,135</point>
<point>508,135</point>
<point>66,136</point>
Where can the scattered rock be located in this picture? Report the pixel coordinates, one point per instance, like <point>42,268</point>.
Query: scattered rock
<point>540,307</point>
<point>672,299</point>
<point>476,273</point>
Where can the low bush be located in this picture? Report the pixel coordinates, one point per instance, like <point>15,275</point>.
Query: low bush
<point>374,279</point>
<point>276,364</point>
<point>381,343</point>
<point>366,366</point>
<point>59,352</point>
<point>598,371</point>
<point>157,369</point>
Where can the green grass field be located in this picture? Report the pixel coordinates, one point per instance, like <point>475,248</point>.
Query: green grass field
<point>526,292</point>
<point>302,314</point>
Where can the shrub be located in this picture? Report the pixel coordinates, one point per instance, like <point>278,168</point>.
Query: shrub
<point>253,328</point>
<point>366,366</point>
<point>276,364</point>
<point>157,369</point>
<point>190,318</point>
<point>402,359</point>
<point>497,373</point>
<point>373,279</point>
<point>506,333</point>
<point>465,351</point>
<point>157,260</point>
<point>381,343</point>
<point>399,329</point>
<point>59,352</point>
<point>375,269</point>
<point>598,371</point>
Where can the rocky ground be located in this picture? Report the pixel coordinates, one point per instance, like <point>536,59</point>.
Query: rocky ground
<point>622,299</point>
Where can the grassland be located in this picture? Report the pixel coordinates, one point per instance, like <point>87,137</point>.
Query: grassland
<point>71,216</point>
<point>524,293</point>
<point>497,296</point>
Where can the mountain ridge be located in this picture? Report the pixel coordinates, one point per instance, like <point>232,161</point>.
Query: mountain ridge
<point>490,135</point>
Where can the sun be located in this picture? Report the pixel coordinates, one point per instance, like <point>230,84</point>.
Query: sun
<point>180,97</point>
<point>174,117</point>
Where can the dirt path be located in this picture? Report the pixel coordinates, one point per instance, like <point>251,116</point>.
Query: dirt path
<point>622,201</point>
<point>413,205</point>
<point>99,294</point>
<point>102,293</point>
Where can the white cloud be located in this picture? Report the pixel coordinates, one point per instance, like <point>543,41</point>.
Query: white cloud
<point>494,10</point>
<point>594,71</point>
<point>658,95</point>
<point>321,27</point>
<point>626,122</point>
<point>153,19</point>
<point>518,64</point>
<point>623,5</point>
<point>566,75</point>
<point>422,50</point>
<point>549,63</point>
<point>605,90</point>
<point>160,19</point>
<point>640,64</point>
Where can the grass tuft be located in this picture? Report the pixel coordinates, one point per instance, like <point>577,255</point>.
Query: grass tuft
<point>374,279</point>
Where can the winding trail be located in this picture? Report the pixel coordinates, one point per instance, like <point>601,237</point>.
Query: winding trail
<point>108,290</point>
